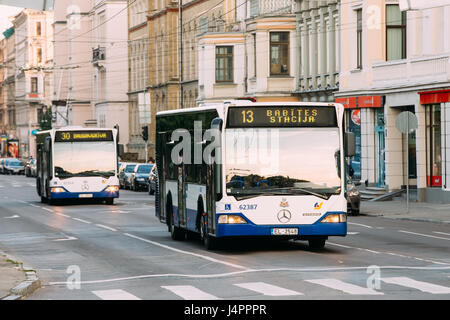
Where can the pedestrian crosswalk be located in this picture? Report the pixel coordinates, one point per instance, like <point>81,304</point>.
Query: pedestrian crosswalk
<point>397,285</point>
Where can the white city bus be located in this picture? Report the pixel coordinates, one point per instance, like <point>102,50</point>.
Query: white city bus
<point>253,170</point>
<point>77,163</point>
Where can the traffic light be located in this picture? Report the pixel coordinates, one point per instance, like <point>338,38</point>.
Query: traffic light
<point>145,133</point>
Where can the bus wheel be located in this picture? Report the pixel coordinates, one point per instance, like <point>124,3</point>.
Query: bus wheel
<point>209,242</point>
<point>316,244</point>
<point>176,233</point>
<point>44,199</point>
<point>109,201</point>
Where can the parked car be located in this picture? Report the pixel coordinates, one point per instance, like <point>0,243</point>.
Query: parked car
<point>2,163</point>
<point>152,179</point>
<point>125,172</point>
<point>139,178</point>
<point>14,166</point>
<point>30,168</point>
<point>353,197</point>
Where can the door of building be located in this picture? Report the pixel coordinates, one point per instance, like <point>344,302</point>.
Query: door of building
<point>380,167</point>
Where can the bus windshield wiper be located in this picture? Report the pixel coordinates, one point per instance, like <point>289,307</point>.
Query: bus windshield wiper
<point>88,173</point>
<point>319,195</point>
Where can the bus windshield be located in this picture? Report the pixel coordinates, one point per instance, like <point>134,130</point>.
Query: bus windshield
<point>282,161</point>
<point>84,159</point>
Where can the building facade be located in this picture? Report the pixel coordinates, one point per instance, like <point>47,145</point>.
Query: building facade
<point>33,75</point>
<point>138,61</point>
<point>394,61</point>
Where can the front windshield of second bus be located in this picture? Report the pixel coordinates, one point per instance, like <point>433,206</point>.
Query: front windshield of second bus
<point>84,159</point>
<point>281,160</point>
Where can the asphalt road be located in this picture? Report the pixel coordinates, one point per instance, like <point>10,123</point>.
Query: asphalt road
<point>122,251</point>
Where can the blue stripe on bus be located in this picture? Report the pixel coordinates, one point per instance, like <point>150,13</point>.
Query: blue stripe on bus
<point>76,195</point>
<point>251,229</point>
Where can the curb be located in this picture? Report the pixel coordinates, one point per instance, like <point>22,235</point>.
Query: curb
<point>25,288</point>
<point>407,218</point>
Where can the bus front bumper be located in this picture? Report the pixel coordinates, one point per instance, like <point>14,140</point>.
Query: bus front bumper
<point>313,230</point>
<point>84,195</point>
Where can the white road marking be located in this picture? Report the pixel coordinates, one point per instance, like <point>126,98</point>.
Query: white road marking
<point>81,220</point>
<point>443,233</point>
<point>359,224</point>
<point>419,285</point>
<point>46,209</point>
<point>230,274</point>
<point>344,287</point>
<point>268,289</point>
<point>186,252</point>
<point>190,293</point>
<point>423,235</point>
<point>66,239</point>
<point>352,233</point>
<point>12,217</point>
<point>62,214</point>
<point>106,227</point>
<point>116,294</point>
<point>362,249</point>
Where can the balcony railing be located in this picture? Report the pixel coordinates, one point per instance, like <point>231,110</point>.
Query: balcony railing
<point>271,7</point>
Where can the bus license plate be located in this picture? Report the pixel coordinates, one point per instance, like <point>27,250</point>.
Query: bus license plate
<point>284,231</point>
<point>86,195</point>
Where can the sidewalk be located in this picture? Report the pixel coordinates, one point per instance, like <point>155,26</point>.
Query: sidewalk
<point>16,281</point>
<point>10,276</point>
<point>418,211</point>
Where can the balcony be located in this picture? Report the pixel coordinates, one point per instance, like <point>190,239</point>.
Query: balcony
<point>413,71</point>
<point>98,54</point>
<point>271,7</point>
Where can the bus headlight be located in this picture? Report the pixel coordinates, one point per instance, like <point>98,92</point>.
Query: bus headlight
<point>57,189</point>
<point>335,218</point>
<point>112,189</point>
<point>231,219</point>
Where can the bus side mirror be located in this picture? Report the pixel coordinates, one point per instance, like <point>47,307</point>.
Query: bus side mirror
<point>120,150</point>
<point>350,144</point>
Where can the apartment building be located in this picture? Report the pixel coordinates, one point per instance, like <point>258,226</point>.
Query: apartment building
<point>33,74</point>
<point>394,61</point>
<point>138,74</point>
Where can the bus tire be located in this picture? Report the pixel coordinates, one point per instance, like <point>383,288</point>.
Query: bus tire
<point>44,199</point>
<point>209,242</point>
<point>109,201</point>
<point>316,244</point>
<point>176,233</point>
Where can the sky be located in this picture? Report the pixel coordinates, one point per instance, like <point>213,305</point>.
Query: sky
<point>5,12</point>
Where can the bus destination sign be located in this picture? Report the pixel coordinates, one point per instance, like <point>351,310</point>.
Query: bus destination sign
<point>282,116</point>
<point>83,136</point>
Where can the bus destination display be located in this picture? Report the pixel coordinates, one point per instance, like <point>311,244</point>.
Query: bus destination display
<point>83,136</point>
<point>283,116</point>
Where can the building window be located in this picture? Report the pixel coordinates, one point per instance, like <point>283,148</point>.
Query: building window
<point>359,39</point>
<point>395,33</point>
<point>279,53</point>
<point>38,55</point>
<point>433,135</point>
<point>224,64</point>
<point>34,85</point>
<point>38,28</point>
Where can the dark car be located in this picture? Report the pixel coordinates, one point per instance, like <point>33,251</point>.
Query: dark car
<point>13,166</point>
<point>353,198</point>
<point>152,181</point>
<point>125,173</point>
<point>139,178</point>
<point>30,168</point>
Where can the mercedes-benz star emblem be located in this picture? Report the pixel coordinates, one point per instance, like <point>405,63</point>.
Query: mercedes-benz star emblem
<point>284,216</point>
<point>85,187</point>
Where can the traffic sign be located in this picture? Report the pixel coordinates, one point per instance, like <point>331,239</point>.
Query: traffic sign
<point>406,122</point>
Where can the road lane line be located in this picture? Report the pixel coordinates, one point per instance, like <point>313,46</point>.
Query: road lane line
<point>359,224</point>
<point>348,247</point>
<point>268,289</point>
<point>344,287</point>
<point>443,233</point>
<point>62,214</point>
<point>106,227</point>
<point>235,273</point>
<point>424,235</point>
<point>47,209</point>
<point>12,217</point>
<point>186,252</point>
<point>116,294</point>
<point>419,285</point>
<point>190,293</point>
<point>69,238</point>
<point>81,220</point>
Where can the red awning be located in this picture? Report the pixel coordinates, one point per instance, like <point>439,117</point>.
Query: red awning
<point>435,96</point>
<point>361,102</point>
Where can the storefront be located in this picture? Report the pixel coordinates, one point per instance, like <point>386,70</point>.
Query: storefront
<point>364,116</point>
<point>437,135</point>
